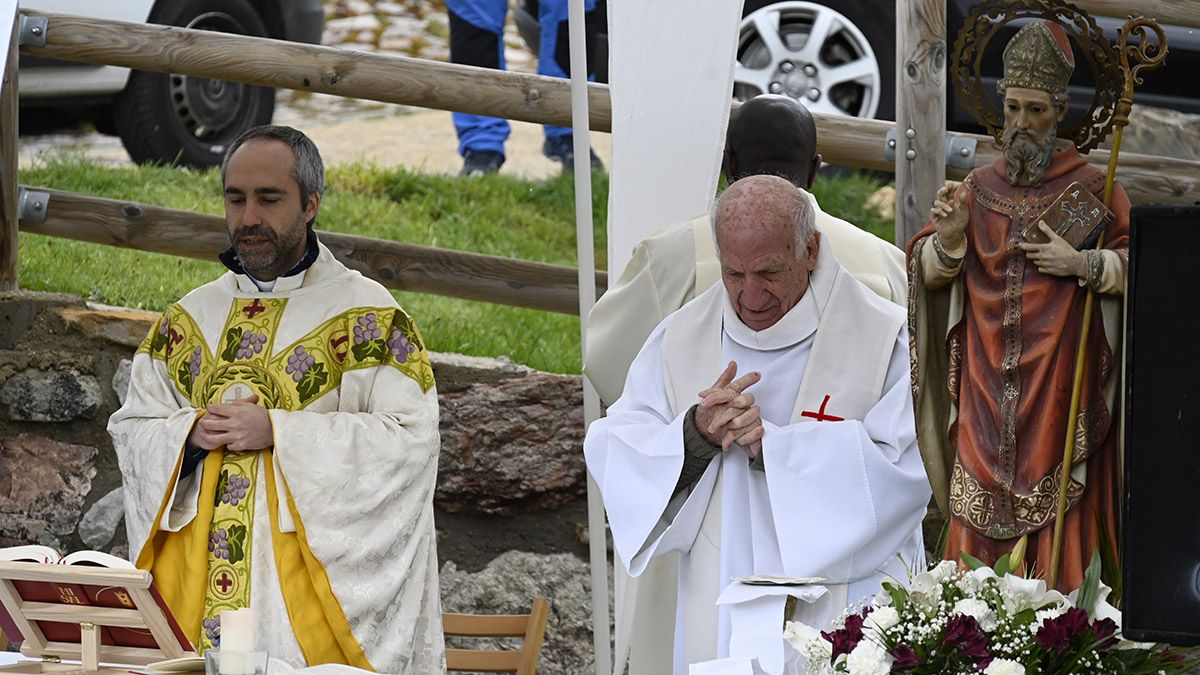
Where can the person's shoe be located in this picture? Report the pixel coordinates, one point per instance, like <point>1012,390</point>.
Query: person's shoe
<point>480,162</point>
<point>562,149</point>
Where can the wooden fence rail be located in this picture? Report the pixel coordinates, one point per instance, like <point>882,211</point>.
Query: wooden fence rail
<point>531,98</point>
<point>8,166</point>
<point>408,267</point>
<point>403,80</point>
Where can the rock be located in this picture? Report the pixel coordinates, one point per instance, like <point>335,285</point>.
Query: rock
<point>508,585</point>
<point>100,522</point>
<point>120,383</point>
<point>512,445</point>
<point>126,327</point>
<point>883,202</point>
<point>455,372</point>
<point>1162,132</point>
<point>50,396</point>
<point>352,24</point>
<point>43,484</point>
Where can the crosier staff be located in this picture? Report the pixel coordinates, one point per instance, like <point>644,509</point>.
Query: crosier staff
<point>1146,56</point>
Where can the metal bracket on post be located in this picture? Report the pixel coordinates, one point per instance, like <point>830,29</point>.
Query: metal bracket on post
<point>33,31</point>
<point>32,205</point>
<point>960,150</point>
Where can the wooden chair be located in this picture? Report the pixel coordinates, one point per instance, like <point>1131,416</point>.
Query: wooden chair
<point>531,627</point>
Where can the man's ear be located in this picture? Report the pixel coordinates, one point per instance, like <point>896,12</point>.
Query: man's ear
<point>313,206</point>
<point>1062,112</point>
<point>812,172</point>
<point>814,248</point>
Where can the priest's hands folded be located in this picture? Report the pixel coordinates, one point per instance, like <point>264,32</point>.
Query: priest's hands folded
<point>727,414</point>
<point>238,425</point>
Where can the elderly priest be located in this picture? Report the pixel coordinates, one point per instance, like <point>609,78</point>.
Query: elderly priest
<point>766,429</point>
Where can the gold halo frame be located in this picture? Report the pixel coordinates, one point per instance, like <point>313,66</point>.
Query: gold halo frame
<point>1098,52</point>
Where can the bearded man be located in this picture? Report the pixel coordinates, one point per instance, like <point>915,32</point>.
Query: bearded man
<point>278,444</point>
<point>996,324</point>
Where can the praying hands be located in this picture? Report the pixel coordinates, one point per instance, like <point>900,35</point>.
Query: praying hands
<point>238,425</point>
<point>727,414</point>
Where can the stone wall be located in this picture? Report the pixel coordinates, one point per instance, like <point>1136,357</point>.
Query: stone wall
<point>511,478</point>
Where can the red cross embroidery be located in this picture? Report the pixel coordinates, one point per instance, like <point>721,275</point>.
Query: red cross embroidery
<point>820,415</point>
<point>337,345</point>
<point>254,309</point>
<point>224,581</point>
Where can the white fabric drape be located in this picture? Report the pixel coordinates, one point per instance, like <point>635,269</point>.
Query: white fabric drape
<point>671,74</point>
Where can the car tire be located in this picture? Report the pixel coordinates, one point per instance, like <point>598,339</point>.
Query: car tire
<point>861,34</point>
<point>176,119</point>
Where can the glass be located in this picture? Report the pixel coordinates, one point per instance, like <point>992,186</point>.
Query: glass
<point>234,663</point>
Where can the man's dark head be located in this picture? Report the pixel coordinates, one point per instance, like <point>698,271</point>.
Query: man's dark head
<point>772,135</point>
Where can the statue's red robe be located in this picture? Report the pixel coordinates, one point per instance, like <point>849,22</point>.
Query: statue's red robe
<point>994,433</point>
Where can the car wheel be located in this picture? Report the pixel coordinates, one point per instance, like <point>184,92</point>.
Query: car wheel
<point>835,56</point>
<point>176,119</point>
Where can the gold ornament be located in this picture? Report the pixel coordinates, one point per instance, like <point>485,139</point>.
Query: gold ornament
<point>1034,59</point>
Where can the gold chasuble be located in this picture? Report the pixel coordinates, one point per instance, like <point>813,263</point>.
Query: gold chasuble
<point>338,367</point>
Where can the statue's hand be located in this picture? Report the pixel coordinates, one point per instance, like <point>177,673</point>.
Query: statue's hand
<point>1056,257</point>
<point>950,214</point>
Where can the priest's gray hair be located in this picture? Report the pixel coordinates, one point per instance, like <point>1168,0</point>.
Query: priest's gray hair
<point>796,203</point>
<point>308,171</point>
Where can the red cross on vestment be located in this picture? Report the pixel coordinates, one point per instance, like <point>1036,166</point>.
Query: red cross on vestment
<point>820,415</point>
<point>254,309</point>
<point>224,581</point>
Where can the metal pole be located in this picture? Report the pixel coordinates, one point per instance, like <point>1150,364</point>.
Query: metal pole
<point>587,297</point>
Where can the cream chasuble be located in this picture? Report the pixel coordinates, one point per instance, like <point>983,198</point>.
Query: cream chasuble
<point>330,535</point>
<point>843,492</point>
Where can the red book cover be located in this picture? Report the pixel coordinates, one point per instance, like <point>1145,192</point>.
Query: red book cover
<point>83,594</point>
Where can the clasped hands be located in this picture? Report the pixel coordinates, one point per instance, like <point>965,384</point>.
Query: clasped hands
<point>727,413</point>
<point>1056,257</point>
<point>238,425</point>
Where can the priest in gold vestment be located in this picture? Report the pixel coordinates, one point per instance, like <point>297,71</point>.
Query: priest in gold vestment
<point>279,441</point>
<point>996,323</point>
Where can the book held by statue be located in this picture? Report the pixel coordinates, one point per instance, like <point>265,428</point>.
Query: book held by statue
<point>1077,216</point>
<point>88,606</point>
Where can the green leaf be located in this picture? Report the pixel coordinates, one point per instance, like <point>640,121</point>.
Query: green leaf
<point>222,483</point>
<point>310,385</point>
<point>184,376</point>
<point>233,340</point>
<point>899,596</point>
<point>237,543</point>
<point>1001,566</point>
<point>1088,591</point>
<point>970,560</point>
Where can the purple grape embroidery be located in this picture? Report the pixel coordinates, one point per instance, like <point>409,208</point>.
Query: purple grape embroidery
<point>299,363</point>
<point>399,346</point>
<point>367,329</point>
<point>252,343</point>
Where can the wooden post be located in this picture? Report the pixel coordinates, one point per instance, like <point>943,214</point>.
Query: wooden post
<point>920,111</point>
<point>8,166</point>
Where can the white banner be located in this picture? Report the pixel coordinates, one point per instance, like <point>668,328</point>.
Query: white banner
<point>671,74</point>
<point>8,12</point>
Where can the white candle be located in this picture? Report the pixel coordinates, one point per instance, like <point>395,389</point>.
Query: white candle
<point>237,630</point>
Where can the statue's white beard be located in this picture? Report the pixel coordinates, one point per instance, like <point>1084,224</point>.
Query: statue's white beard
<point>1027,159</point>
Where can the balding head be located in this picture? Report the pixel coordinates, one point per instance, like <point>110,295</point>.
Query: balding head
<point>767,245</point>
<point>772,135</point>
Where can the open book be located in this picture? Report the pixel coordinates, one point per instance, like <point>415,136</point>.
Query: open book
<point>43,592</point>
<point>45,554</point>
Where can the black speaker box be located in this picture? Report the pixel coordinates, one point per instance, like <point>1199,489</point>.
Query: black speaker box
<point>1160,534</point>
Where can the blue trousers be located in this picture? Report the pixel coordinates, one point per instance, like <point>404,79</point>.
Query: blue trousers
<point>476,39</point>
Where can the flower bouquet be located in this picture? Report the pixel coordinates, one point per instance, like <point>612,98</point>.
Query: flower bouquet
<point>981,621</point>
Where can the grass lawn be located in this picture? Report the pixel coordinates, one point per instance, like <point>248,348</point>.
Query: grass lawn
<point>496,215</point>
